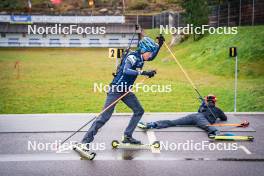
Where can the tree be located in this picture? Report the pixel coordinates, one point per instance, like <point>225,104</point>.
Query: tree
<point>11,5</point>
<point>196,13</point>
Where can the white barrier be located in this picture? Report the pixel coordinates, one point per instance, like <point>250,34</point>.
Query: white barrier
<point>61,19</point>
<point>111,40</point>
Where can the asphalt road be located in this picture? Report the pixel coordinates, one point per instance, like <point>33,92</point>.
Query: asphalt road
<point>28,147</point>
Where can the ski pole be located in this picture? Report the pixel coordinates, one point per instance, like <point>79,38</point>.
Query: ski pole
<point>131,41</point>
<point>188,78</point>
<point>105,109</point>
<point>127,49</point>
<point>243,124</point>
<point>185,73</point>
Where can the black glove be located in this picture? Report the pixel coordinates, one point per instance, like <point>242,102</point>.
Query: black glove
<point>161,39</point>
<point>149,73</point>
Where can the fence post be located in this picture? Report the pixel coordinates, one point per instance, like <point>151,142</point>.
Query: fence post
<point>218,15</point>
<point>228,11</point>
<point>153,17</point>
<point>178,19</point>
<point>239,13</point>
<point>235,98</point>
<point>164,21</point>
<point>253,11</point>
<point>159,19</point>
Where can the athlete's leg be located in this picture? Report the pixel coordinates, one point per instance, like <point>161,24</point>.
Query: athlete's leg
<point>101,120</point>
<point>203,123</point>
<point>186,120</point>
<point>132,102</point>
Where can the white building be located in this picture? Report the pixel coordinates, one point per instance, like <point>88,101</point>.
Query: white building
<point>107,31</point>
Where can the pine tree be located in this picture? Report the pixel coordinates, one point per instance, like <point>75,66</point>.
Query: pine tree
<point>196,13</point>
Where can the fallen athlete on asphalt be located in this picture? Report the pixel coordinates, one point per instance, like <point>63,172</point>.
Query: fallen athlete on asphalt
<point>207,114</point>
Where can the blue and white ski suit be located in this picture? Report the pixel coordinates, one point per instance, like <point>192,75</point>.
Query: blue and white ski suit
<point>126,76</point>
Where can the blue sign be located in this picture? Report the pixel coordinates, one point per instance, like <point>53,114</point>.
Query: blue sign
<point>20,19</point>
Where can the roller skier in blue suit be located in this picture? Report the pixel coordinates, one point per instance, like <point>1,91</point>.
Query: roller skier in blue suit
<point>128,71</point>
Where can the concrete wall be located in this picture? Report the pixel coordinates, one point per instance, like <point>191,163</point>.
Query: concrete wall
<point>107,40</point>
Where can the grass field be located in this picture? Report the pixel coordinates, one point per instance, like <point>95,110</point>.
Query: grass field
<point>61,80</point>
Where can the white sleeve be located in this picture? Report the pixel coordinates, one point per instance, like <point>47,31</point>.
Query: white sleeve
<point>132,59</point>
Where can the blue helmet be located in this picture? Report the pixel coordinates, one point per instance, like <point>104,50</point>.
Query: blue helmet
<point>146,44</point>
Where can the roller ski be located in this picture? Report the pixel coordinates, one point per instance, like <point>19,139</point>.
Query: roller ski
<point>83,151</point>
<point>131,143</point>
<point>231,137</point>
<point>243,124</point>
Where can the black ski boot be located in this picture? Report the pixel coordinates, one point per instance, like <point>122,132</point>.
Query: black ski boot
<point>130,140</point>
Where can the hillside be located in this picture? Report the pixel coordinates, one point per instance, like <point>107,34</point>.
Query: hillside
<point>211,53</point>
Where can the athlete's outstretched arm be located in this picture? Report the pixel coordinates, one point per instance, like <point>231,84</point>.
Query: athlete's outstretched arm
<point>222,115</point>
<point>161,40</point>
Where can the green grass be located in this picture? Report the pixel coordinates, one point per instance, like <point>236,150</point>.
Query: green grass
<point>61,80</point>
<point>211,53</point>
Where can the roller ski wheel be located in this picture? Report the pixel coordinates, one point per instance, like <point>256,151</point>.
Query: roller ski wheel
<point>251,138</point>
<point>156,144</point>
<point>83,151</point>
<point>115,144</point>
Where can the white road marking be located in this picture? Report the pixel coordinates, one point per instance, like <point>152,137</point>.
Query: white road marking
<point>245,149</point>
<point>62,149</point>
<point>152,138</point>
